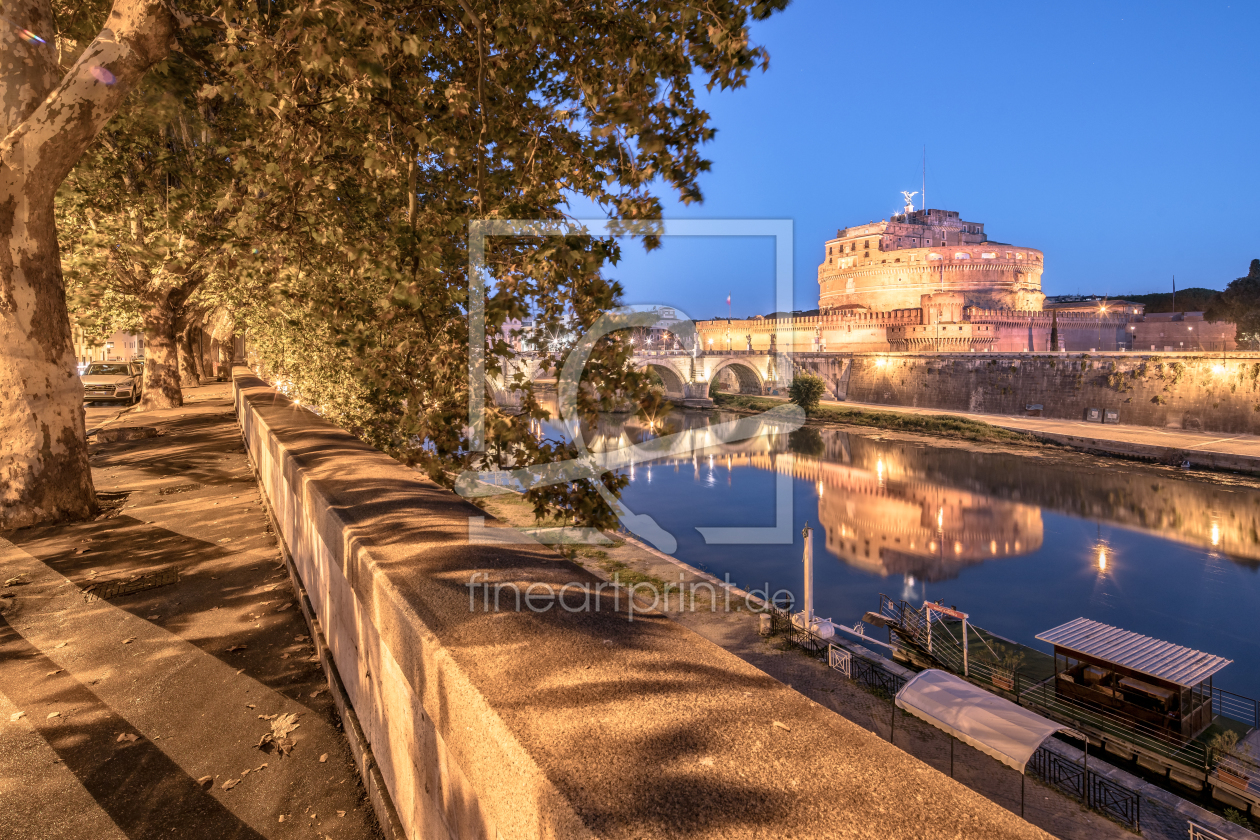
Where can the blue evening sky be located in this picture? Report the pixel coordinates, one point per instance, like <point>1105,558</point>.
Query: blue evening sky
<point>1120,138</point>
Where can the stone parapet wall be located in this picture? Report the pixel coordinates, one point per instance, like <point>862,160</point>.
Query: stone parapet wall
<point>1189,391</point>
<point>553,723</point>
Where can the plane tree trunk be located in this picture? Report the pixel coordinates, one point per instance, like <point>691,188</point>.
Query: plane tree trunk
<point>161,356</point>
<point>47,121</point>
<point>186,327</point>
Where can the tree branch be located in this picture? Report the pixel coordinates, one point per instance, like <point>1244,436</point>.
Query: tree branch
<point>46,145</point>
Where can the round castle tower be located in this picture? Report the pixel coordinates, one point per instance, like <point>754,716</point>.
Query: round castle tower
<point>884,266</point>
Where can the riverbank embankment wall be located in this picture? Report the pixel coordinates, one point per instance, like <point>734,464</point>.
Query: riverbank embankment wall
<point>1196,392</point>
<point>556,716</point>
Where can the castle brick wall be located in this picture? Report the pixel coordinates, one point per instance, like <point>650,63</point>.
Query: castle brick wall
<point>1179,391</point>
<point>863,331</point>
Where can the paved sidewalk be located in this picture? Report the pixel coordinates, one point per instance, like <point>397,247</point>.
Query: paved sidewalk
<point>1243,445</point>
<point>138,714</point>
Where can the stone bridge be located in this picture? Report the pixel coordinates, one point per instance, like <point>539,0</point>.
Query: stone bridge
<point>687,378</point>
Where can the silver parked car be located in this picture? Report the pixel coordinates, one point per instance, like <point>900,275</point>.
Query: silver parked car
<point>110,381</point>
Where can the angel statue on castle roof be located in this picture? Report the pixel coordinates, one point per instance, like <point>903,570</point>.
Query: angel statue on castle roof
<point>909,197</point>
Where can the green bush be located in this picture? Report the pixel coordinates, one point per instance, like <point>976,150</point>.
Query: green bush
<point>806,391</point>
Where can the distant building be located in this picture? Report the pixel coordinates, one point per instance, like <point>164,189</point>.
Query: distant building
<point>1181,331</point>
<point>119,347</point>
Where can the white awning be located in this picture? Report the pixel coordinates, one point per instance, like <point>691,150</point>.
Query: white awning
<point>991,724</point>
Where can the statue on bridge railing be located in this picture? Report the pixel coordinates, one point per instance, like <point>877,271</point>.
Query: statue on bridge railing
<point>749,338</point>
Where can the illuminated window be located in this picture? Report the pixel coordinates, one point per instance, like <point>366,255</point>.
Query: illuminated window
<point>961,255</point>
<point>988,255</point>
<point>934,256</point>
<point>1019,256</point>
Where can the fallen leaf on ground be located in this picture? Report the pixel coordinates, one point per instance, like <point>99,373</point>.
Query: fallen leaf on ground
<point>128,737</point>
<point>341,813</point>
<point>152,617</point>
<point>282,817</point>
<point>783,726</point>
<point>54,673</point>
<point>244,773</point>
<point>15,581</point>
<point>206,782</point>
<point>317,692</point>
<point>240,670</point>
<point>285,607</point>
<point>231,783</point>
<point>250,706</point>
<point>278,738</point>
<point>268,717</point>
<point>17,715</point>
<point>284,656</point>
<point>235,648</point>
<point>53,715</point>
<point>129,641</point>
<point>260,766</point>
<point>299,638</point>
<point>63,644</point>
<point>323,758</point>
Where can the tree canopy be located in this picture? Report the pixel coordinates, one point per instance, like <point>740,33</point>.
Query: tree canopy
<point>1239,304</point>
<point>326,159</point>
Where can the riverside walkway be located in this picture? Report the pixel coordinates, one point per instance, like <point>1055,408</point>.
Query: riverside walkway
<point>138,713</point>
<point>1213,450</point>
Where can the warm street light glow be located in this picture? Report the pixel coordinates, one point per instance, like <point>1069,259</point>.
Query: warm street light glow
<point>1218,369</point>
<point>1102,559</point>
<point>1216,534</point>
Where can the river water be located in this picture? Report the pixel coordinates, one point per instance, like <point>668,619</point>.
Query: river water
<point>1020,542</point>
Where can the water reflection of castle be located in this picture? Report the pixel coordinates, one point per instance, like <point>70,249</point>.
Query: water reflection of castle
<point>888,525</point>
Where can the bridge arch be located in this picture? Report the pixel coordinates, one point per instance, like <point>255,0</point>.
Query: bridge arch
<point>746,374</point>
<point>670,377</point>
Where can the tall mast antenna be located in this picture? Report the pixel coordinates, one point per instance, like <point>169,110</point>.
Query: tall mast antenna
<point>923,187</point>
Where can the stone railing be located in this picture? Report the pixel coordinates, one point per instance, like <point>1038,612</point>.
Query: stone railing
<point>556,718</point>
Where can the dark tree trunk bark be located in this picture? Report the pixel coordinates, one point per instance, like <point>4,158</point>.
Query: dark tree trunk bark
<point>188,376</point>
<point>199,353</point>
<point>161,357</point>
